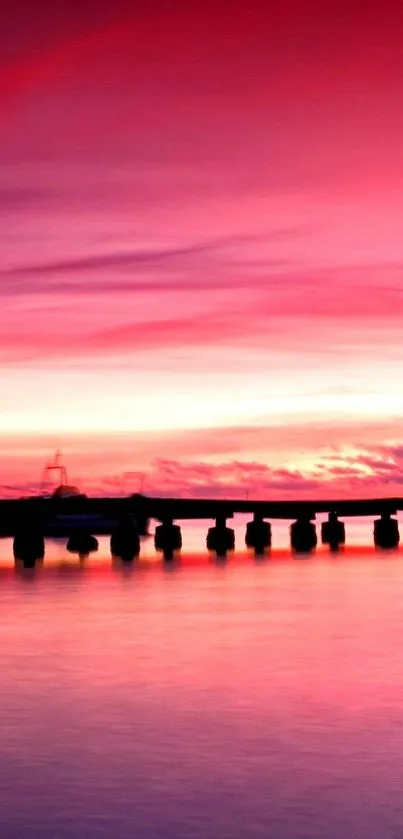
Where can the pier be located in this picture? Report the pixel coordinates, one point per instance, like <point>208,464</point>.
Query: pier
<point>80,519</point>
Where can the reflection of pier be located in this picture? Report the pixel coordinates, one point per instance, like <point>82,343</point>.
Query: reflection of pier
<point>30,520</point>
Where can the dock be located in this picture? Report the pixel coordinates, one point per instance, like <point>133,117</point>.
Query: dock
<point>79,517</point>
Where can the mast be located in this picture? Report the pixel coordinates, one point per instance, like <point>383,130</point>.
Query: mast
<point>58,467</point>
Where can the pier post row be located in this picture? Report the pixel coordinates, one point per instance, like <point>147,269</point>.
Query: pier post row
<point>80,519</point>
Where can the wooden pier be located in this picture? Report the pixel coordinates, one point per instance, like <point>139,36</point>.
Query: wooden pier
<point>80,518</point>
<point>112,508</point>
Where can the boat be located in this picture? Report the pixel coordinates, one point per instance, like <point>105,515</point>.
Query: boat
<point>64,522</point>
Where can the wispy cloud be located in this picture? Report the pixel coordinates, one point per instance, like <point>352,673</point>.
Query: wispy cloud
<point>377,470</point>
<point>155,213</point>
<point>132,258</point>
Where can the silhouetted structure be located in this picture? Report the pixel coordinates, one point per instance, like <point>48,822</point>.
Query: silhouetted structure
<point>142,520</point>
<point>58,467</point>
<point>69,514</point>
<point>386,532</point>
<point>29,545</point>
<point>168,538</point>
<point>333,532</point>
<point>125,541</point>
<point>258,534</point>
<point>101,514</point>
<point>82,542</point>
<point>303,535</point>
<point>220,538</point>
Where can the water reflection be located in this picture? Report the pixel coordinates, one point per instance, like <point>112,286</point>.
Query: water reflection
<point>261,558</point>
<point>220,560</point>
<point>27,571</point>
<point>359,536</point>
<point>87,563</point>
<point>245,699</point>
<point>58,563</point>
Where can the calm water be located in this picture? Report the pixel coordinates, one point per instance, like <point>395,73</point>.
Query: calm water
<point>240,700</point>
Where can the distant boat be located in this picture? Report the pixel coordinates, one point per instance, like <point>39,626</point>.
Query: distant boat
<point>62,489</point>
<point>63,523</point>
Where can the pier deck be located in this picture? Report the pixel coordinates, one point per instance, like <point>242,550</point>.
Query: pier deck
<point>104,512</point>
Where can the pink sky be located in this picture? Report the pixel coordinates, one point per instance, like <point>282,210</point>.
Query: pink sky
<point>201,246</point>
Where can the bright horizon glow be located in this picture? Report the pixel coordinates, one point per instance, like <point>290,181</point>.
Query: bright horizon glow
<point>123,406</point>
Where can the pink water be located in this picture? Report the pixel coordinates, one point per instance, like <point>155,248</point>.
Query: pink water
<point>251,699</point>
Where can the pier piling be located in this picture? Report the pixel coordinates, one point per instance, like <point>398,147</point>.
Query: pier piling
<point>168,538</point>
<point>29,545</point>
<point>82,542</point>
<point>125,541</point>
<point>386,532</point>
<point>303,535</point>
<point>258,535</point>
<point>220,538</point>
<point>333,532</point>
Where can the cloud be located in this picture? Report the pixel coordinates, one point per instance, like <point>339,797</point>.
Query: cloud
<point>250,329</point>
<point>359,296</point>
<point>237,478</point>
<point>374,470</point>
<point>259,442</point>
<point>211,108</point>
<point>126,259</point>
<point>210,328</point>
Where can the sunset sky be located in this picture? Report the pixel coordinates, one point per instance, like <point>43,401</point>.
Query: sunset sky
<point>201,246</point>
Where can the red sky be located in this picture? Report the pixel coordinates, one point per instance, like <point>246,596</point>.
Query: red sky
<point>201,245</point>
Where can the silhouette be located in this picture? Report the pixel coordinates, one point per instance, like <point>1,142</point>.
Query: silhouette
<point>386,532</point>
<point>258,535</point>
<point>28,544</point>
<point>125,541</point>
<point>168,538</point>
<point>58,467</point>
<point>333,532</point>
<point>140,513</point>
<point>220,538</point>
<point>303,535</point>
<point>82,542</point>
